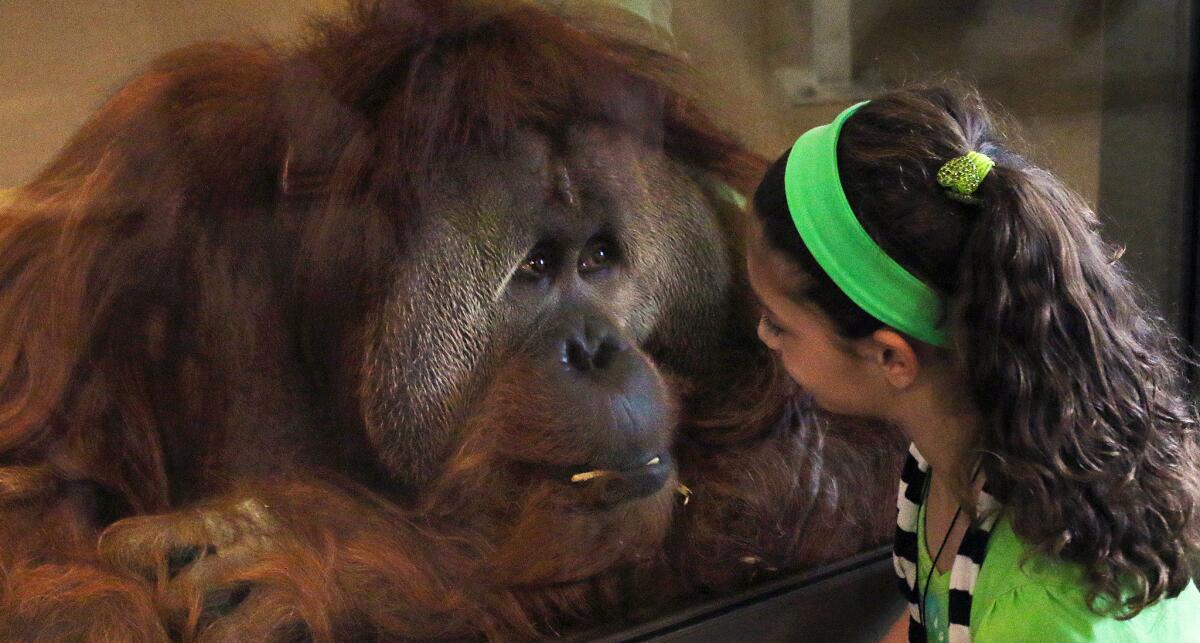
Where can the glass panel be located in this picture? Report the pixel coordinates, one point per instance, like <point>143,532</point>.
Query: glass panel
<point>1099,91</point>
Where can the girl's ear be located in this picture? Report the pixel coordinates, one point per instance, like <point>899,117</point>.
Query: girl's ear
<point>894,355</point>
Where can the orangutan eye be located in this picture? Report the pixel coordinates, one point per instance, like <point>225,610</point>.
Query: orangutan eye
<point>538,264</point>
<point>599,256</point>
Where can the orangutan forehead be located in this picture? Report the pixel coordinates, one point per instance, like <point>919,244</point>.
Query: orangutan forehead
<point>591,172</point>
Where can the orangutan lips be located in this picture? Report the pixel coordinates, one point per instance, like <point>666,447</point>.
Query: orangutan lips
<point>601,473</point>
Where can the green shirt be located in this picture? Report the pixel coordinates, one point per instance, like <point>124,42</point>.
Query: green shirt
<point>1045,600</point>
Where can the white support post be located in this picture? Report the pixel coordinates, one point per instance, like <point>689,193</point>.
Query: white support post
<point>827,73</point>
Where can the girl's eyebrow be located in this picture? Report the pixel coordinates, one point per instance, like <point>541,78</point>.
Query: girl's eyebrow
<point>754,298</point>
<point>764,309</point>
<point>762,306</point>
<point>801,296</point>
<point>758,301</point>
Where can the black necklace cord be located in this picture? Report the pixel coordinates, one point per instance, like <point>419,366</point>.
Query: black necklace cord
<point>933,566</point>
<point>945,538</point>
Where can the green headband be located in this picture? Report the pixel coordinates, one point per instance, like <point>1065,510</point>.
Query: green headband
<point>859,267</point>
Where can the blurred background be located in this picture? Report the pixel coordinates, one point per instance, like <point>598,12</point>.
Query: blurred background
<point>1102,89</point>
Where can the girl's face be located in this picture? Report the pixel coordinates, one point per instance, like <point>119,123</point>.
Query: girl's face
<point>826,365</point>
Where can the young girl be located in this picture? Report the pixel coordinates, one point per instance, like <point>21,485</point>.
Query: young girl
<point>913,269</point>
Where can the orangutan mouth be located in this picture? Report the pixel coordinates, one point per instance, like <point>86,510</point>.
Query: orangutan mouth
<point>599,473</point>
<point>614,486</point>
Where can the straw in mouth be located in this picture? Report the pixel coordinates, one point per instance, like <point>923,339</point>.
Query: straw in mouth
<point>601,473</point>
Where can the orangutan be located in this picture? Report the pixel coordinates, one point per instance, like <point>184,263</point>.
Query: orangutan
<point>432,327</point>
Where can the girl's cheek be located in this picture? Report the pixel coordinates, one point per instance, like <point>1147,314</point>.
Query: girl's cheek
<point>797,373</point>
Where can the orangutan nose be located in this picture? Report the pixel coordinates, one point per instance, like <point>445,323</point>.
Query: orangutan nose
<point>591,348</point>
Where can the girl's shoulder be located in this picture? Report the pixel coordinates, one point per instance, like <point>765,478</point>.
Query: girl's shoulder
<point>1025,596</point>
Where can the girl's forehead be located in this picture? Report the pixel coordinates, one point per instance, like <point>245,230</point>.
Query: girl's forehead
<point>773,271</point>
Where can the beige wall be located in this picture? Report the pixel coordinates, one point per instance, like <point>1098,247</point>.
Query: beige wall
<point>60,59</point>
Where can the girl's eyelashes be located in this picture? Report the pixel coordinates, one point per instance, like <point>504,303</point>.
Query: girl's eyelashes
<point>770,326</point>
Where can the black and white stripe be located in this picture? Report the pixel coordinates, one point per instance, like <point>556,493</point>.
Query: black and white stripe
<point>967,562</point>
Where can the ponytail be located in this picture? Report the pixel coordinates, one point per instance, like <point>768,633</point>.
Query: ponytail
<point>1086,432</point>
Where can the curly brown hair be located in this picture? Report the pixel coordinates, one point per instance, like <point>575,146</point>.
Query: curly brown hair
<point>1087,434</point>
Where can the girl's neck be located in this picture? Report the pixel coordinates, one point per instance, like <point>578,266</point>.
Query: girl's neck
<point>943,424</point>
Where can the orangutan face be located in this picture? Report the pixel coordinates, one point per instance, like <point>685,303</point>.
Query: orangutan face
<point>548,291</point>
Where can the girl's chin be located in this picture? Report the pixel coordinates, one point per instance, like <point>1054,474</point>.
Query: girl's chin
<point>840,407</point>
